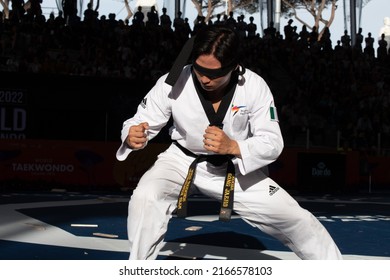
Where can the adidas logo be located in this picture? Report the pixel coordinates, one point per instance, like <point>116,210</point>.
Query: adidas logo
<point>272,190</point>
<point>143,103</point>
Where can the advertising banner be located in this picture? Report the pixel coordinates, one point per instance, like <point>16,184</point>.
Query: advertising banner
<point>321,171</point>
<point>58,163</point>
<point>13,113</point>
<point>72,164</point>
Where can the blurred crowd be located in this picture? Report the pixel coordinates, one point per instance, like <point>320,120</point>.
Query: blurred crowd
<point>332,94</point>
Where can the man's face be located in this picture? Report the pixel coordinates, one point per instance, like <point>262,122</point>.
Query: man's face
<point>208,82</point>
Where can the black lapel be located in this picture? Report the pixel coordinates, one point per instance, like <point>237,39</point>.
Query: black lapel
<point>216,118</point>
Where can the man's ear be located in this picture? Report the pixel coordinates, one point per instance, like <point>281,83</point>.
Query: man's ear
<point>240,69</point>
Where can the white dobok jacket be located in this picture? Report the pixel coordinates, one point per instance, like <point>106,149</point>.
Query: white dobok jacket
<point>251,119</point>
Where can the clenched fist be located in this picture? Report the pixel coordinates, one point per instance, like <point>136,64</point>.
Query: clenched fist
<point>137,137</point>
<point>217,141</point>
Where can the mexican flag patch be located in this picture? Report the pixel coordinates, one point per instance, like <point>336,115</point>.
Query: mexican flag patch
<point>273,113</point>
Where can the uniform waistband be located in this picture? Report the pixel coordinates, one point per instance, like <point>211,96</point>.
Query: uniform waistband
<point>216,160</point>
<point>228,190</point>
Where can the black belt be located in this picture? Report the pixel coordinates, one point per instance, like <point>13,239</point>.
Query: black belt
<point>228,190</point>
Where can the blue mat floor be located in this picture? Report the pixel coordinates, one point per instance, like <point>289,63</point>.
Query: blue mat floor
<point>68,226</point>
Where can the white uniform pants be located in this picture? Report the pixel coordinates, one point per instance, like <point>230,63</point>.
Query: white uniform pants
<point>274,212</point>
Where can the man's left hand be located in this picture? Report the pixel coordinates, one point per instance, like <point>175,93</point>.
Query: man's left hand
<point>217,141</point>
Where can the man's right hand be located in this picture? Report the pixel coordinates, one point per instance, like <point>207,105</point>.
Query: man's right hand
<point>137,137</point>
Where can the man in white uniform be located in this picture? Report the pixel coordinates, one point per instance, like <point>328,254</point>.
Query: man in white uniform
<point>225,130</point>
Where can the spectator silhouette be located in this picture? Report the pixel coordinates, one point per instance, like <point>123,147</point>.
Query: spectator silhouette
<point>199,24</point>
<point>70,10</point>
<point>325,41</point>
<point>187,31</point>
<point>35,10</point>
<point>165,21</point>
<point>153,18</point>
<point>382,49</point>
<point>241,26</point>
<point>295,35</point>
<point>304,37</point>
<point>288,31</point>
<point>345,40</point>
<point>251,28</point>
<point>359,40</point>
<point>369,48</point>
<point>17,12</point>
<point>313,37</point>
<point>180,31</point>
<point>231,21</point>
<point>138,18</point>
<point>338,48</point>
<point>59,19</point>
<point>218,21</point>
<point>178,22</point>
<point>270,31</point>
<point>90,15</point>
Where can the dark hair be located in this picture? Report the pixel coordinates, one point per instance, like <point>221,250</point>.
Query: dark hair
<point>220,41</point>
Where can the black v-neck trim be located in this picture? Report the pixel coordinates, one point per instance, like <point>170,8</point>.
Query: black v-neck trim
<point>216,118</point>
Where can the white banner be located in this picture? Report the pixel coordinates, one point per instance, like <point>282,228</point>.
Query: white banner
<point>195,269</point>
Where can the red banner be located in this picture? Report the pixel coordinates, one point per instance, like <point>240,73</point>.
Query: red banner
<point>93,164</point>
<point>57,162</point>
<point>72,163</point>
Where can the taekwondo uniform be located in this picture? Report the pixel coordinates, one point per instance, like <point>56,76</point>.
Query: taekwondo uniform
<point>252,121</point>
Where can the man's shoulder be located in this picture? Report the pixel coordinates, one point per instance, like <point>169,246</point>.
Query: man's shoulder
<point>251,80</point>
<point>185,73</point>
<point>251,74</point>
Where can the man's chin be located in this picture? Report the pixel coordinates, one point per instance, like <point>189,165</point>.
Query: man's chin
<point>209,89</point>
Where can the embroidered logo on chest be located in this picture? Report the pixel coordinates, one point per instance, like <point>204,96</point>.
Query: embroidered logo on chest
<point>236,109</point>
